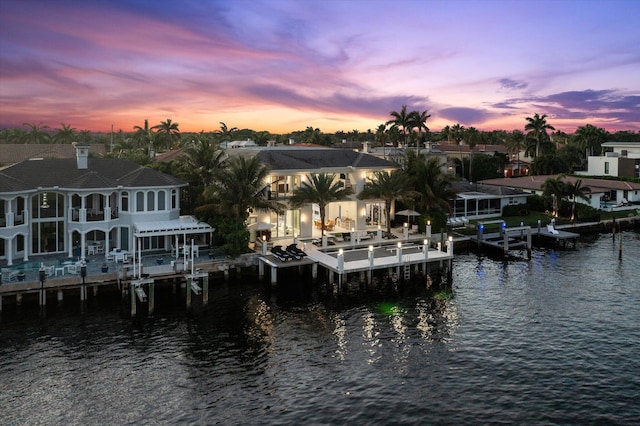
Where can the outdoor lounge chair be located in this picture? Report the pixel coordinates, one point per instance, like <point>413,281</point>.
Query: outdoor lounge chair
<point>295,251</point>
<point>552,230</point>
<point>281,254</point>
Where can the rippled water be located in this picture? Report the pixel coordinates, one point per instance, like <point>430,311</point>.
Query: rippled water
<point>551,340</point>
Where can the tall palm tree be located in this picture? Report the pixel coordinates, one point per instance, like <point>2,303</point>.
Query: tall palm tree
<point>537,127</point>
<point>388,187</point>
<point>457,134</point>
<point>515,143</point>
<point>420,122</point>
<point>240,187</point>
<point>556,189</point>
<point>472,135</point>
<point>37,133</point>
<point>321,189</point>
<point>574,191</point>
<point>381,134</point>
<point>226,134</point>
<point>432,185</point>
<point>403,120</point>
<point>590,138</point>
<point>144,133</point>
<point>201,161</point>
<point>65,134</point>
<point>168,130</point>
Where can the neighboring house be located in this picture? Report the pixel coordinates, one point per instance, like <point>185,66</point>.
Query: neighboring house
<point>289,167</point>
<point>237,144</point>
<point>605,194</point>
<point>623,161</point>
<point>11,153</point>
<point>60,205</point>
<point>478,201</point>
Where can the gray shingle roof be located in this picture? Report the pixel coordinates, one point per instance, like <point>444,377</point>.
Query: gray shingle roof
<point>315,159</point>
<point>101,173</point>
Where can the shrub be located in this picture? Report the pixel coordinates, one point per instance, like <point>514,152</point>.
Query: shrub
<point>515,210</point>
<point>536,203</point>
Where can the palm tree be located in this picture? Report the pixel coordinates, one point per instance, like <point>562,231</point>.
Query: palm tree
<point>576,190</point>
<point>515,143</point>
<point>457,134</point>
<point>240,187</point>
<point>319,189</point>
<point>143,134</point>
<point>65,134</point>
<point>420,122</point>
<point>537,130</point>
<point>432,184</point>
<point>388,187</point>
<point>556,189</point>
<point>590,138</point>
<point>472,136</point>
<point>201,161</point>
<point>381,134</point>
<point>168,130</point>
<point>37,133</point>
<point>226,134</point>
<point>402,120</point>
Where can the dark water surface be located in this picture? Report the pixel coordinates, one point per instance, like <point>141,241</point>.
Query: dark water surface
<point>554,340</point>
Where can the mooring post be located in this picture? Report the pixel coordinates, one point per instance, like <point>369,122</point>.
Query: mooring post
<point>60,296</point>
<point>529,244</point>
<point>43,295</point>
<point>340,267</point>
<point>205,289</point>
<point>379,234</point>
<point>314,272</point>
<point>371,261</point>
<point>260,269</point>
<point>188,287</point>
<point>425,252</point>
<point>620,248</point>
<point>152,298</point>
<point>132,294</point>
<point>613,229</point>
<point>83,275</point>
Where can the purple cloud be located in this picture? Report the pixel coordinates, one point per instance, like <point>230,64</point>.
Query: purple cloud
<point>507,83</point>
<point>466,116</point>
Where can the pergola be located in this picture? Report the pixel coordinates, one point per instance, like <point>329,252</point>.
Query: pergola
<point>183,226</point>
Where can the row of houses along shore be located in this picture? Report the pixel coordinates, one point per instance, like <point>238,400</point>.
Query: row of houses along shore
<point>62,219</point>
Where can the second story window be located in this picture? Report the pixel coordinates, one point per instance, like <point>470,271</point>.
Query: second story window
<point>125,202</point>
<point>139,201</point>
<point>151,201</point>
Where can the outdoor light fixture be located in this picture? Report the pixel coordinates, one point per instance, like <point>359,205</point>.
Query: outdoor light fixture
<point>45,203</point>
<point>370,248</point>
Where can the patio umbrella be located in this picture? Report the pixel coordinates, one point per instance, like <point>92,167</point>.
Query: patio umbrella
<point>408,213</point>
<point>261,226</point>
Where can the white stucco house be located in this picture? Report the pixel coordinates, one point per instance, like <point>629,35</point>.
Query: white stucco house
<point>289,167</point>
<point>73,205</point>
<point>604,194</point>
<point>621,159</point>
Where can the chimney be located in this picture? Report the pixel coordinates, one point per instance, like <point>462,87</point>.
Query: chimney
<point>365,147</point>
<point>82,154</point>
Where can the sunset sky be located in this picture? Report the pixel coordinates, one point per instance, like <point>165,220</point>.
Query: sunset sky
<point>283,65</point>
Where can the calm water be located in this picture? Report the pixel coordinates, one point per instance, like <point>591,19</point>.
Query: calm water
<point>547,341</point>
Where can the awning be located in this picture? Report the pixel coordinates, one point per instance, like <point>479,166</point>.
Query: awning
<point>182,226</point>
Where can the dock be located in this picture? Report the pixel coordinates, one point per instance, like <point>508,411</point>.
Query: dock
<point>398,257</point>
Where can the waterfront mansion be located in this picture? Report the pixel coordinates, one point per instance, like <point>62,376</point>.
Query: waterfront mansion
<point>86,205</point>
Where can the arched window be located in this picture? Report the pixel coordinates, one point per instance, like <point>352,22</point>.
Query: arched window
<point>161,200</point>
<point>151,201</point>
<point>139,201</point>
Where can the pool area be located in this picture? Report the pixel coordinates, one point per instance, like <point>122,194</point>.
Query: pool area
<point>94,264</point>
